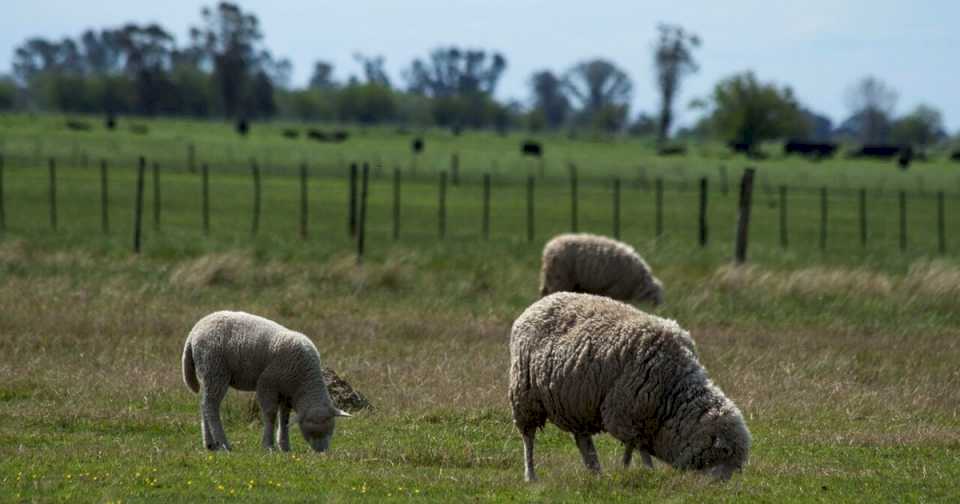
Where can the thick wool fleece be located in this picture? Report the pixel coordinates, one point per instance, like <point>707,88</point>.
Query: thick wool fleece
<point>590,364</point>
<point>597,265</point>
<point>236,349</point>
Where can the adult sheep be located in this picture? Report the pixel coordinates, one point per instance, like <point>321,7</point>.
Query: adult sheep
<point>248,352</point>
<point>597,265</point>
<point>590,364</point>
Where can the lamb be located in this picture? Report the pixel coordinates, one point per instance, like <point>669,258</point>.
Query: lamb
<point>590,364</point>
<point>597,265</point>
<point>248,352</point>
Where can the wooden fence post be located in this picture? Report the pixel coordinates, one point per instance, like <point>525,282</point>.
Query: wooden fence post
<point>304,204</point>
<point>941,224</point>
<point>784,232</point>
<point>104,198</point>
<point>3,211</point>
<point>442,206</point>
<point>255,173</point>
<point>138,205</point>
<point>455,169</point>
<point>396,203</point>
<point>486,206</point>
<point>743,216</point>
<point>903,221</point>
<point>823,218</point>
<point>573,198</point>
<point>703,212</point>
<point>156,196</point>
<point>205,178</point>
<point>362,223</point>
<point>530,216</point>
<point>616,208</point>
<point>863,217</point>
<point>52,166</point>
<point>658,201</point>
<point>352,202</point>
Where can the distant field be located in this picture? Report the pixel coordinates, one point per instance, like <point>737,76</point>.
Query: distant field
<point>844,361</point>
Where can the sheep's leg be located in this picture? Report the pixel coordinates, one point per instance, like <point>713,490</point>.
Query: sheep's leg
<point>627,454</point>
<point>268,412</point>
<point>647,461</point>
<point>588,451</point>
<point>528,433</point>
<point>211,397</point>
<point>283,429</point>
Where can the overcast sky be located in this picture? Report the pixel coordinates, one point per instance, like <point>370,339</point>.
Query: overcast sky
<point>819,47</point>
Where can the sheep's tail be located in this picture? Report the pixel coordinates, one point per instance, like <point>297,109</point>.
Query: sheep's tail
<point>189,371</point>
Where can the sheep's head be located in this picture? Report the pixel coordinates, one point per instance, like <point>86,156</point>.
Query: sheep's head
<point>317,426</point>
<point>651,290</point>
<point>724,445</point>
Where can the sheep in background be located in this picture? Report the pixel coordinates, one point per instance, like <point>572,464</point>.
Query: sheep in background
<point>248,352</point>
<point>597,265</point>
<point>590,364</point>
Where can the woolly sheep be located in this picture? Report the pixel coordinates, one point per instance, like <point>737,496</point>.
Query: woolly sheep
<point>597,265</point>
<point>591,364</point>
<point>248,352</point>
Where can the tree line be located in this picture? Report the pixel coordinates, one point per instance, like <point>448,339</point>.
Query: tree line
<point>225,70</point>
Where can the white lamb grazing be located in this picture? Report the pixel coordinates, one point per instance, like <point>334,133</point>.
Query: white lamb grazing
<point>236,349</point>
<point>597,265</point>
<point>590,364</point>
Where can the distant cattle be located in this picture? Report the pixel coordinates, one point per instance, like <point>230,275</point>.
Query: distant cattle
<point>815,150</point>
<point>243,126</point>
<point>110,122</point>
<point>417,145</point>
<point>290,133</point>
<point>878,151</point>
<point>531,148</point>
<point>955,156</point>
<point>78,125</point>
<point>672,150</point>
<point>740,147</point>
<point>139,129</point>
<point>322,136</point>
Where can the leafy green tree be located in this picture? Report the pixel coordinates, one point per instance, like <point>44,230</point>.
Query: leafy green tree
<point>921,128</point>
<point>742,109</point>
<point>550,105</point>
<point>8,93</point>
<point>673,61</point>
<point>601,92</point>
<point>872,103</point>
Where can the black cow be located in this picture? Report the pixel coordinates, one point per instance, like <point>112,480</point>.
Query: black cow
<point>78,125</point>
<point>110,122</point>
<point>878,151</point>
<point>531,148</point>
<point>672,150</point>
<point>740,147</point>
<point>243,126</point>
<point>955,156</point>
<point>417,145</point>
<point>815,150</point>
<point>340,136</point>
<point>290,133</point>
<point>315,134</point>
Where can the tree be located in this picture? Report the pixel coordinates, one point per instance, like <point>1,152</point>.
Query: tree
<point>921,128</point>
<point>601,92</point>
<point>322,77</point>
<point>742,109</point>
<point>373,70</point>
<point>229,40</point>
<point>455,72</point>
<point>673,61</point>
<point>549,101</point>
<point>872,102</point>
<point>8,93</point>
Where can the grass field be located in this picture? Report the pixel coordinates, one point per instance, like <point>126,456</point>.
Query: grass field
<point>844,361</point>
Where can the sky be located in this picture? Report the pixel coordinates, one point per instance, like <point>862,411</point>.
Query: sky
<point>820,48</point>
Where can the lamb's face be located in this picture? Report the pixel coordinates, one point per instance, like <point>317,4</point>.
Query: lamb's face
<point>318,426</point>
